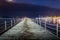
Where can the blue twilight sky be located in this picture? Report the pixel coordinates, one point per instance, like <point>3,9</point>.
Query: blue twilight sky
<point>49,3</point>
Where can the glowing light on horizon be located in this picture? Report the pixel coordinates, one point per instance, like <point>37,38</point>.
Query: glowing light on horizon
<point>54,19</point>
<point>10,0</point>
<point>59,21</point>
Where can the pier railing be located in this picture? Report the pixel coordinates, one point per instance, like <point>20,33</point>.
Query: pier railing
<point>7,23</point>
<point>47,24</point>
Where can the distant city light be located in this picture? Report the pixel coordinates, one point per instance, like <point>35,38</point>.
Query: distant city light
<point>58,21</point>
<point>54,20</point>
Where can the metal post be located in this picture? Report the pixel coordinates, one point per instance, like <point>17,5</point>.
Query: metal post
<point>45,25</point>
<point>40,22</point>
<point>57,29</point>
<point>5,25</point>
<point>11,22</point>
<point>37,21</point>
<point>14,21</point>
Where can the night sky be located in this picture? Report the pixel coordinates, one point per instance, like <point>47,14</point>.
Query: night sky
<point>50,8</point>
<point>49,3</point>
